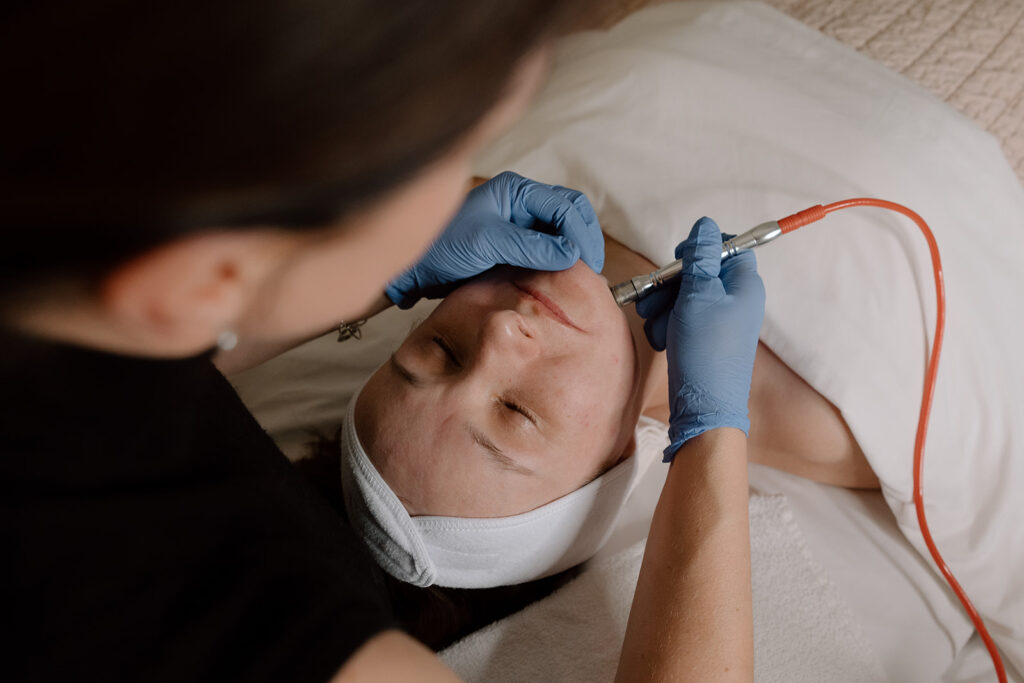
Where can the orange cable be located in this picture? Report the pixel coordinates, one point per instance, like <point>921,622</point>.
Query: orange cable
<point>816,213</point>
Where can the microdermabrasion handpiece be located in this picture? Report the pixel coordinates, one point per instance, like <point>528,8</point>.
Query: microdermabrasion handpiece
<point>636,288</point>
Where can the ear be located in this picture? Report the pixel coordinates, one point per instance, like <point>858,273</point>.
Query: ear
<point>179,296</point>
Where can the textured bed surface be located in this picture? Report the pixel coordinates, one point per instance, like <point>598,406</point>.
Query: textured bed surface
<point>970,53</point>
<point>803,628</point>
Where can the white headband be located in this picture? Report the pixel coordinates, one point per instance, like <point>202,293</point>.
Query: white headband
<point>481,552</point>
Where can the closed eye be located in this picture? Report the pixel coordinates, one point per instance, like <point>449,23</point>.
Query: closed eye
<point>448,351</point>
<point>515,407</point>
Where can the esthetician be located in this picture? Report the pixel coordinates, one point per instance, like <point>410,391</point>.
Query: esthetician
<point>196,182</point>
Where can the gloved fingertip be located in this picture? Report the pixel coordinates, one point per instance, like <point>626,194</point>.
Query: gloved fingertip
<point>585,234</point>
<point>592,229</point>
<point>596,264</point>
<point>499,184</point>
<point>547,252</point>
<point>706,230</point>
<point>508,176</point>
<point>570,251</point>
<point>593,253</point>
<point>399,298</point>
<point>657,301</point>
<point>701,252</point>
<point>669,454</point>
<point>644,308</point>
<point>655,329</point>
<point>586,209</point>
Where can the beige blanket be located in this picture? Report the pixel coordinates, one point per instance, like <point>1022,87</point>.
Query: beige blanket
<point>970,53</point>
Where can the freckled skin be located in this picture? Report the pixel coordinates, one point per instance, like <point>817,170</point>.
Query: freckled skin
<point>584,388</point>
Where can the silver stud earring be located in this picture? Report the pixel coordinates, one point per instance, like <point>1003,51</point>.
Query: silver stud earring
<point>227,340</point>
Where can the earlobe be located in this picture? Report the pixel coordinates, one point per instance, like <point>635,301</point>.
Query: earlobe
<point>178,297</point>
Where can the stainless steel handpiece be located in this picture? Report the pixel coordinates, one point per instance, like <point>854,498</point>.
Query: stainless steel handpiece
<point>636,288</point>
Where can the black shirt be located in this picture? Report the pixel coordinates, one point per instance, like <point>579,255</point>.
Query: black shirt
<point>151,530</point>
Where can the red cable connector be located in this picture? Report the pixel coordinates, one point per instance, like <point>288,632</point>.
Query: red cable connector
<point>802,218</point>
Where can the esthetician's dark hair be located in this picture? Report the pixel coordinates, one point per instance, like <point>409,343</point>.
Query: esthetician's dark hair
<point>127,123</point>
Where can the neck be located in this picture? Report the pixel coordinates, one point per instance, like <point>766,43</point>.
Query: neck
<point>622,263</point>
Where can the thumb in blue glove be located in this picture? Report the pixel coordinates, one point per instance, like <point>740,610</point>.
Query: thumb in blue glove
<point>708,324</point>
<point>507,220</point>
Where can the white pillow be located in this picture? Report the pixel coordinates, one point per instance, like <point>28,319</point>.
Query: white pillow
<point>736,112</point>
<point>302,394</point>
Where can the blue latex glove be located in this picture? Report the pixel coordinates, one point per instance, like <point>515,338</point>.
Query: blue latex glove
<point>512,220</point>
<point>708,324</point>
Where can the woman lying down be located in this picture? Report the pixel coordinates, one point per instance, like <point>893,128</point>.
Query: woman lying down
<point>496,445</point>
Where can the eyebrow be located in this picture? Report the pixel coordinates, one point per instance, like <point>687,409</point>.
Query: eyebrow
<point>479,437</point>
<point>404,372</point>
<point>492,448</point>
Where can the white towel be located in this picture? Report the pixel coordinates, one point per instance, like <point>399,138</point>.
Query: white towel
<point>803,630</point>
<point>484,552</point>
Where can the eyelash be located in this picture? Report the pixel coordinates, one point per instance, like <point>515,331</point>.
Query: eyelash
<point>503,402</point>
<point>515,407</point>
<point>448,351</point>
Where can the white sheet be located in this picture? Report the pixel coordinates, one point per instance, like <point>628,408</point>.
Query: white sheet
<point>865,572</point>
<point>803,630</point>
<point>735,111</point>
<point>910,618</point>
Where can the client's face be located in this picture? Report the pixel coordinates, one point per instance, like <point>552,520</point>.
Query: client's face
<point>518,389</point>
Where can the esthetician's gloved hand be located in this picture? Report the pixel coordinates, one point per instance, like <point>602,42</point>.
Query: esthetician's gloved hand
<point>512,220</point>
<point>708,324</point>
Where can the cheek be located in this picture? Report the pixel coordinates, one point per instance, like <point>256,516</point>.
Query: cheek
<point>590,397</point>
<point>419,450</point>
<point>447,477</point>
<point>579,394</point>
<point>596,391</point>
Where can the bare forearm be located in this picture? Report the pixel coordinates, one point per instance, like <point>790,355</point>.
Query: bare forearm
<point>692,616</point>
<point>250,353</point>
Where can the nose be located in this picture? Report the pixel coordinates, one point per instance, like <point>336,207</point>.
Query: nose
<point>506,336</point>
